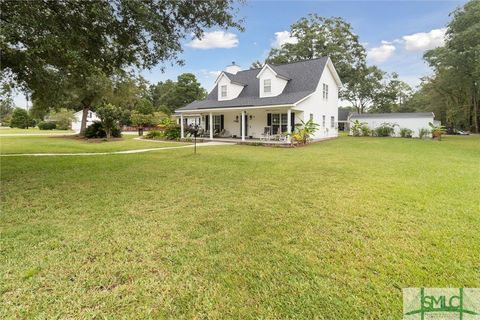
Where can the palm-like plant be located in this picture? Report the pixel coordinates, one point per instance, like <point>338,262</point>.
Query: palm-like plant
<point>437,131</point>
<point>304,131</point>
<point>357,128</point>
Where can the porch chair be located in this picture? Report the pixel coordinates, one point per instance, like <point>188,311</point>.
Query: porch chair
<point>266,134</point>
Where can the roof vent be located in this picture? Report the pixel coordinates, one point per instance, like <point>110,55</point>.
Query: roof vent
<point>233,68</point>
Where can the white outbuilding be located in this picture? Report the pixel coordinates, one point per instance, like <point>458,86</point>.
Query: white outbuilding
<point>414,121</point>
<point>77,121</point>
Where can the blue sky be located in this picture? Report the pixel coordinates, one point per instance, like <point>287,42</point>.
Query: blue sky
<point>395,34</point>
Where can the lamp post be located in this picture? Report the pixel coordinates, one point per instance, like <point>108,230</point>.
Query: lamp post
<point>193,130</point>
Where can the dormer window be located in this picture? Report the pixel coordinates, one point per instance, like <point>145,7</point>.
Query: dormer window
<point>267,85</point>
<point>223,91</point>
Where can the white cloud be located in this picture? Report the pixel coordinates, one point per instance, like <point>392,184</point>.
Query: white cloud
<point>422,41</point>
<point>283,37</point>
<point>210,73</point>
<point>381,53</point>
<point>214,74</point>
<point>215,39</point>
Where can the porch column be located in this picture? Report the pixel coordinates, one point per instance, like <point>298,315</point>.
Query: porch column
<point>211,125</point>
<point>289,124</point>
<point>243,125</point>
<point>182,134</point>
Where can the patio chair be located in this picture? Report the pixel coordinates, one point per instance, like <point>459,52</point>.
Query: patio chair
<point>266,134</point>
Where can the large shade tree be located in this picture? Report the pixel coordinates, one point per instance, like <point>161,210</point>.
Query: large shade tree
<point>53,47</point>
<point>318,36</point>
<point>170,95</point>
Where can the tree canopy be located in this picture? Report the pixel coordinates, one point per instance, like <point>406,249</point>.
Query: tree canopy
<point>170,95</point>
<point>454,89</point>
<point>64,50</point>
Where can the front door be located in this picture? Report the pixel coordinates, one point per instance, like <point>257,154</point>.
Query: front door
<point>246,125</point>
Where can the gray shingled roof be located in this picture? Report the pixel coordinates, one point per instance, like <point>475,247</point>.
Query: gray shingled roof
<point>304,77</point>
<point>392,115</point>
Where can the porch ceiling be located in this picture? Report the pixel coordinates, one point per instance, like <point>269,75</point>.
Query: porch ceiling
<point>239,109</point>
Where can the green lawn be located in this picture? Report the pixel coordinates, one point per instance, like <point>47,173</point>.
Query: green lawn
<point>7,130</point>
<point>70,144</point>
<point>334,230</point>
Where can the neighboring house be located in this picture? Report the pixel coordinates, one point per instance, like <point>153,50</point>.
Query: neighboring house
<point>269,101</point>
<point>77,122</point>
<point>414,121</point>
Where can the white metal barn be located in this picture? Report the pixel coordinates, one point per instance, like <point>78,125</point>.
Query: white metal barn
<point>414,121</point>
<point>77,122</point>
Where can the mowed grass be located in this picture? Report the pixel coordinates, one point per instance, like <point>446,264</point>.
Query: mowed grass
<point>35,130</point>
<point>72,144</point>
<point>334,230</point>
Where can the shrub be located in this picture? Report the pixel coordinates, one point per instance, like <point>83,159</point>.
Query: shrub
<point>20,119</point>
<point>424,133</point>
<point>109,116</point>
<point>172,132</point>
<point>95,130</point>
<point>154,134</point>
<point>406,133</point>
<point>385,130</point>
<point>366,131</point>
<point>47,125</point>
<point>62,118</point>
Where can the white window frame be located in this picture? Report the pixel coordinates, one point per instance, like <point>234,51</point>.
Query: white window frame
<point>325,91</point>
<point>311,116</point>
<point>332,122</point>
<point>323,121</point>
<point>217,122</point>
<point>267,83</point>
<point>282,121</point>
<point>223,91</point>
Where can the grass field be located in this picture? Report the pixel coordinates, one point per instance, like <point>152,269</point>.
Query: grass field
<point>334,230</point>
<point>71,144</point>
<point>7,130</point>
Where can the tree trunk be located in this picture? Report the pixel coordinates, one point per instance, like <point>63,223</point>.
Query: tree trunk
<point>83,124</point>
<point>475,110</point>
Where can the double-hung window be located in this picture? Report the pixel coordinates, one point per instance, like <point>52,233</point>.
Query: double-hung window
<point>325,91</point>
<point>267,86</point>
<point>279,123</point>
<point>217,123</point>
<point>332,122</point>
<point>323,121</point>
<point>223,91</point>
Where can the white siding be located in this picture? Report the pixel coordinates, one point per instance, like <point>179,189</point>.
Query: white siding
<point>77,122</point>
<point>413,123</point>
<point>233,90</point>
<point>277,84</point>
<point>319,107</point>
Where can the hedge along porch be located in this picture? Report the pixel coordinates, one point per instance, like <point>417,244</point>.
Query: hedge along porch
<point>246,123</point>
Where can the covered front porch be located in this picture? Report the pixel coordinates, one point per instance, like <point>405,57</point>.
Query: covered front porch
<point>272,124</point>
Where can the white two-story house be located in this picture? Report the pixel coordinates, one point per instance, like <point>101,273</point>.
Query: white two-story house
<point>268,102</point>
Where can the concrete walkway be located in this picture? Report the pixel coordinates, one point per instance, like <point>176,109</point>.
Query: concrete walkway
<point>208,144</point>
